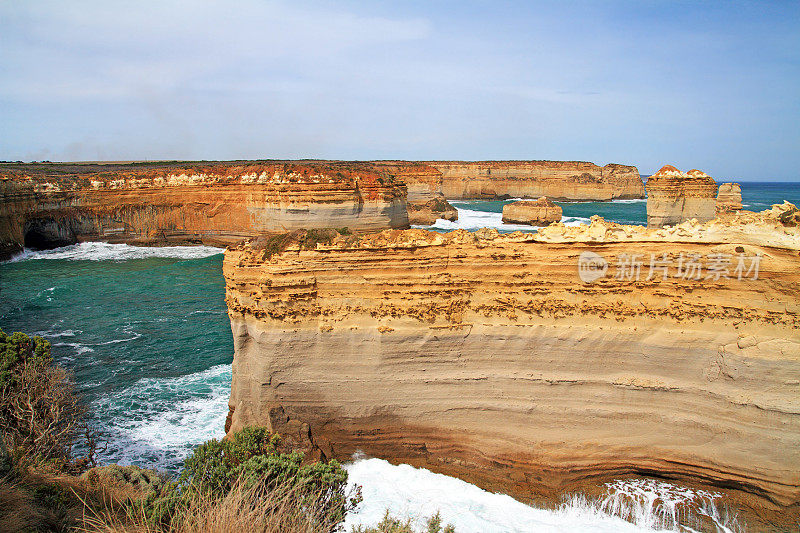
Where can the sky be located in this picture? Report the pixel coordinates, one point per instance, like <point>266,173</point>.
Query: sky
<point>708,85</point>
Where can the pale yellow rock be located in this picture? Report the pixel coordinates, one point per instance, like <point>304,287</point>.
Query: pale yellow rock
<point>505,368</point>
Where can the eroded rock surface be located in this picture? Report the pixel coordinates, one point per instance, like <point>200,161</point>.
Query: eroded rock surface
<point>485,356</point>
<point>674,197</point>
<point>558,180</point>
<point>539,212</point>
<point>427,212</point>
<point>44,206</point>
<point>729,197</point>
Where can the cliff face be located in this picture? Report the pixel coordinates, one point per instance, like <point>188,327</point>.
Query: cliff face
<point>540,212</point>
<point>172,203</point>
<point>558,180</point>
<point>486,357</point>
<point>729,197</point>
<point>674,197</point>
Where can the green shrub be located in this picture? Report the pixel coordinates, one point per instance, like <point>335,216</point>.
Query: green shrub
<point>40,415</point>
<point>250,460</point>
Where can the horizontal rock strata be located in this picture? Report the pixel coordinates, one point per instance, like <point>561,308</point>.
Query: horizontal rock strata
<point>213,203</point>
<point>540,212</point>
<point>486,357</point>
<point>558,180</point>
<point>729,197</point>
<point>674,197</point>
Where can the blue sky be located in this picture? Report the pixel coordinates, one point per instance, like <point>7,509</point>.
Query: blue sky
<point>709,85</point>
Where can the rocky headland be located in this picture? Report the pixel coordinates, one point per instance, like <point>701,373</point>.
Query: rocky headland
<point>217,203</point>
<point>536,364</point>
<point>539,212</point>
<point>558,180</point>
<point>674,197</point>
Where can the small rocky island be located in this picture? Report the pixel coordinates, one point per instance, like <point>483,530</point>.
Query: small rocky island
<point>539,212</point>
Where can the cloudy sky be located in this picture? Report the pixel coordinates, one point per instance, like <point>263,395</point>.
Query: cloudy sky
<point>709,85</point>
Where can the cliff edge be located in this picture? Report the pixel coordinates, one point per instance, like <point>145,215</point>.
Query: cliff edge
<point>218,203</point>
<point>535,364</point>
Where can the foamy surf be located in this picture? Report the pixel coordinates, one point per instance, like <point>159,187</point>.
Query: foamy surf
<point>157,422</point>
<point>101,251</point>
<point>418,493</point>
<point>472,220</point>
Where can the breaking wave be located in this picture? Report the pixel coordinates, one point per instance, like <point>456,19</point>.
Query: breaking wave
<point>101,251</point>
<point>471,220</point>
<point>640,505</point>
<point>157,422</point>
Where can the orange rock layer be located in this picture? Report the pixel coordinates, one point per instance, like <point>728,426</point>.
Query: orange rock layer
<point>212,203</point>
<point>485,356</point>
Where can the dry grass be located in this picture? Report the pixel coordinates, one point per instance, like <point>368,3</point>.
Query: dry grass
<point>242,510</point>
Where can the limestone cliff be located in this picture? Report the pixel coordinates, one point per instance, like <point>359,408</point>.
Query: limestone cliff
<point>485,356</point>
<point>540,212</point>
<point>674,197</point>
<point>213,203</point>
<point>558,180</point>
<point>729,197</point>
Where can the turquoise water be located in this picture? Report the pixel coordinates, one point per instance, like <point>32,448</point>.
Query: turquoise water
<point>146,334</point>
<point>148,339</point>
<point>474,214</point>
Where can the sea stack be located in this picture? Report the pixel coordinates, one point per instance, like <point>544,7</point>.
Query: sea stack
<point>540,212</point>
<point>674,197</point>
<point>729,197</point>
<point>427,212</point>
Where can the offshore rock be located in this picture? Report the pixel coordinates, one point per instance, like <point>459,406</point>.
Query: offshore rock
<point>489,357</point>
<point>217,203</point>
<point>729,197</point>
<point>540,212</point>
<point>674,197</point>
<point>427,212</point>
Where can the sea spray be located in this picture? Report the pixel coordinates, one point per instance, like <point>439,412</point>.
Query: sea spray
<point>660,505</point>
<point>101,251</point>
<point>418,493</point>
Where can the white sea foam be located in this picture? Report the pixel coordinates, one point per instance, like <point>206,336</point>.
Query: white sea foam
<point>101,251</point>
<point>630,201</point>
<point>79,348</point>
<point>471,220</point>
<point>418,493</point>
<point>157,422</point>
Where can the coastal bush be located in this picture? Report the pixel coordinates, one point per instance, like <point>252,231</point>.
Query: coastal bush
<point>249,465</point>
<point>40,415</point>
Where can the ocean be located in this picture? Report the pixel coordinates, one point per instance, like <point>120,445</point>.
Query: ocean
<point>146,334</point>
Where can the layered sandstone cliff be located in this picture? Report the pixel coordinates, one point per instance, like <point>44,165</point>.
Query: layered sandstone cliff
<point>558,180</point>
<point>213,203</point>
<point>729,197</point>
<point>486,356</point>
<point>674,197</point>
<point>540,212</point>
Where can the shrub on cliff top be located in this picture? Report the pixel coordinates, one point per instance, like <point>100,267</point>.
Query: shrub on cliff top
<point>250,463</point>
<point>40,415</point>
